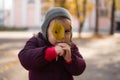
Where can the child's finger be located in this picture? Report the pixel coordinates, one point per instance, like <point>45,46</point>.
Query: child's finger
<point>61,53</point>
<point>63,45</point>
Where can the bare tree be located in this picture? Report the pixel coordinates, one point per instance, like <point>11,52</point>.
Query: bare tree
<point>97,15</point>
<point>112,18</point>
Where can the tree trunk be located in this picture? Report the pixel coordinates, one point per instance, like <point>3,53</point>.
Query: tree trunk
<point>112,18</point>
<point>84,15</point>
<point>97,16</point>
<point>78,14</point>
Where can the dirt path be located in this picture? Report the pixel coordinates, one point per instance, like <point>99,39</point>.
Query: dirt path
<point>101,55</point>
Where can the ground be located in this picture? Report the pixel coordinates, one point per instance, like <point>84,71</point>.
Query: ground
<point>100,53</point>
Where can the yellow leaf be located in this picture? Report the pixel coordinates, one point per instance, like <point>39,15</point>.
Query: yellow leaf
<point>58,30</point>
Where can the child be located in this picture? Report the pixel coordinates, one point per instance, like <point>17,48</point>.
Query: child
<point>51,55</point>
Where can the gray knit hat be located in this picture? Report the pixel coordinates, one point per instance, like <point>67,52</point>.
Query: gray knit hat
<point>52,14</point>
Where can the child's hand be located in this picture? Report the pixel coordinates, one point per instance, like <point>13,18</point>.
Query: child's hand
<point>59,50</point>
<point>67,51</point>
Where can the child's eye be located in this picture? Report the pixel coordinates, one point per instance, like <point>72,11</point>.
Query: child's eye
<point>67,31</point>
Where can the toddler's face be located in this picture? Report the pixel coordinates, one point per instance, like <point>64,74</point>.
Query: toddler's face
<point>65,39</point>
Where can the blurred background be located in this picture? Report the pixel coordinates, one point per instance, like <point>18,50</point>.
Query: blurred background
<point>96,31</point>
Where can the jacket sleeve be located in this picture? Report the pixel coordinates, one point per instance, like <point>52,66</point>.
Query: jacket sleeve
<point>32,56</point>
<point>78,64</point>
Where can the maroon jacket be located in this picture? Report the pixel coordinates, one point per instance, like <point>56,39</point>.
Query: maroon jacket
<point>32,58</point>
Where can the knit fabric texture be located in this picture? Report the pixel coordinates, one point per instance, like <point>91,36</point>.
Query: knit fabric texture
<point>52,14</point>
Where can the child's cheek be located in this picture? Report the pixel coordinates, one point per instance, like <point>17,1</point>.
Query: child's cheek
<point>53,40</point>
<point>68,39</point>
